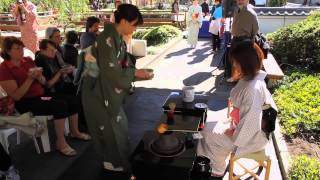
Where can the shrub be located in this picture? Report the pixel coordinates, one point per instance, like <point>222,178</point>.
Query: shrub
<point>277,3</point>
<point>298,101</point>
<point>298,43</point>
<point>160,35</point>
<point>304,167</point>
<point>140,33</point>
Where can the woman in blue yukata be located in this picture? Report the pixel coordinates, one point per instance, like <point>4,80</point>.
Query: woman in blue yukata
<point>244,134</point>
<point>194,23</point>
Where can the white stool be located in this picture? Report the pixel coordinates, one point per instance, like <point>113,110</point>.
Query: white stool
<point>263,161</point>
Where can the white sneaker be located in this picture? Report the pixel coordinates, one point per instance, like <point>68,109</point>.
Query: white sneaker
<point>12,174</point>
<point>230,80</point>
<point>109,166</point>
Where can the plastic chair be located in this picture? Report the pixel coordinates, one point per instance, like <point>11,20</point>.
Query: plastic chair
<point>44,136</point>
<point>260,157</point>
<point>4,134</point>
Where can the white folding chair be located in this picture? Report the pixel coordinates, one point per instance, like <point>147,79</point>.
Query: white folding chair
<point>7,130</point>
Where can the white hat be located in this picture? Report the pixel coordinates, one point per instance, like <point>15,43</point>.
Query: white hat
<point>50,31</point>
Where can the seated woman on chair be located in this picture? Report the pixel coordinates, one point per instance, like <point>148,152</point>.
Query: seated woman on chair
<point>244,134</point>
<point>24,82</point>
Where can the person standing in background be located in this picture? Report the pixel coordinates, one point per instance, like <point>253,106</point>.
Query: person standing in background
<point>175,10</point>
<point>215,24</point>
<point>194,23</point>
<point>25,13</point>
<point>92,30</point>
<point>245,25</point>
<point>205,8</point>
<point>175,13</point>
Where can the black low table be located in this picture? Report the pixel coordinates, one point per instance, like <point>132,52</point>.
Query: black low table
<point>181,122</point>
<point>187,108</point>
<point>148,166</point>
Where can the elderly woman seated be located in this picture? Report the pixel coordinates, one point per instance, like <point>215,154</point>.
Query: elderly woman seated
<point>244,134</point>
<point>24,83</point>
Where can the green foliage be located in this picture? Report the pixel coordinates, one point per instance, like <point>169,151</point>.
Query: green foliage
<point>149,8</point>
<point>277,3</point>
<point>304,167</point>
<point>298,101</point>
<point>140,33</point>
<point>160,35</point>
<point>298,43</point>
<point>5,4</point>
<point>70,8</point>
<point>70,11</point>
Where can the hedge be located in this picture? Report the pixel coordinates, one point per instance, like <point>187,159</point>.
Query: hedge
<point>298,101</point>
<point>304,167</point>
<point>298,43</point>
<point>158,35</point>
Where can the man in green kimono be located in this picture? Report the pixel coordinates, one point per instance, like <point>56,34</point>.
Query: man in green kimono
<point>106,80</point>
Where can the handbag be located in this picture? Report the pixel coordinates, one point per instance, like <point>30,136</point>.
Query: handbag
<point>261,40</point>
<point>269,117</point>
<point>214,26</point>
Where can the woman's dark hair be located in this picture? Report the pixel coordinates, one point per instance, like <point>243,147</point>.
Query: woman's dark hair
<point>91,21</point>
<point>72,37</point>
<point>128,12</point>
<point>246,56</point>
<point>43,45</point>
<point>7,44</point>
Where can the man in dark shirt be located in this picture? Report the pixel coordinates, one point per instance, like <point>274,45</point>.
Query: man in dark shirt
<point>69,51</point>
<point>92,29</point>
<point>205,8</point>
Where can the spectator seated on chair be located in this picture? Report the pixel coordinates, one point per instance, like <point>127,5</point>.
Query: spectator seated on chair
<point>69,51</point>
<point>244,134</point>
<point>23,81</point>
<point>53,34</point>
<point>57,77</point>
<point>92,30</point>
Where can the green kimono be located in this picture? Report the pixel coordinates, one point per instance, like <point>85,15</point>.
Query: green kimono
<point>103,94</point>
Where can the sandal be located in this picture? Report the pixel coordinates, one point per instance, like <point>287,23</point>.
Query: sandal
<point>82,136</point>
<point>67,151</point>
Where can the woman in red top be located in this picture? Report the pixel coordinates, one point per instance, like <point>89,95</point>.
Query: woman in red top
<point>23,81</point>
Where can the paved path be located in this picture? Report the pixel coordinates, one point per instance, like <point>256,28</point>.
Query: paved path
<point>178,67</point>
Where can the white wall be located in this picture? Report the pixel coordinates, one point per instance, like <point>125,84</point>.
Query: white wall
<point>269,24</point>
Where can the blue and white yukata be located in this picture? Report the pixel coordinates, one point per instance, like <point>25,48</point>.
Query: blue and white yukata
<point>248,137</point>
